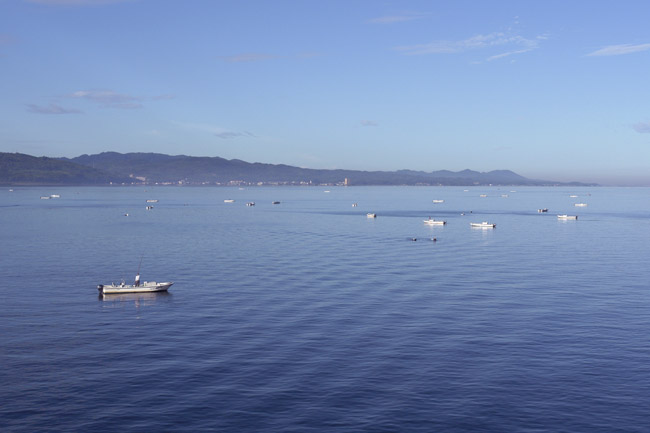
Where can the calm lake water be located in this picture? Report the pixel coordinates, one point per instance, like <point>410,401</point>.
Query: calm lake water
<point>307,316</point>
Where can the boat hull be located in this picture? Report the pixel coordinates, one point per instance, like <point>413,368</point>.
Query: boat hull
<point>483,225</point>
<point>435,222</point>
<point>127,288</point>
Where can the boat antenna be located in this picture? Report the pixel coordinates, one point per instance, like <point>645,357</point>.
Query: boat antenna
<point>137,277</point>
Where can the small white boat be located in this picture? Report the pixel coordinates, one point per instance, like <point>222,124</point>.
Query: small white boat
<point>229,200</point>
<point>433,222</point>
<point>573,196</point>
<point>355,204</point>
<point>55,196</point>
<point>483,225</point>
<point>152,201</point>
<point>371,215</point>
<point>567,217</point>
<point>505,195</point>
<point>542,210</point>
<point>45,197</point>
<point>250,203</point>
<point>483,195</point>
<point>146,287</point>
<point>438,201</point>
<point>580,205</point>
<point>149,207</point>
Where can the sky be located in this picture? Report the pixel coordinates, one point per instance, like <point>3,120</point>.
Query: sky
<point>554,90</point>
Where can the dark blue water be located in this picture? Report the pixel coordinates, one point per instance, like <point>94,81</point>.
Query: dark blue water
<point>309,317</point>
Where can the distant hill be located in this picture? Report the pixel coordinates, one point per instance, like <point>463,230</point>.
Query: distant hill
<point>155,167</point>
<point>174,169</point>
<point>18,168</point>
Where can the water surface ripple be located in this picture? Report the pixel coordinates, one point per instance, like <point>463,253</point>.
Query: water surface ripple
<point>308,316</point>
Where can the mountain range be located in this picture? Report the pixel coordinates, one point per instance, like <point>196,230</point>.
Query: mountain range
<point>156,168</point>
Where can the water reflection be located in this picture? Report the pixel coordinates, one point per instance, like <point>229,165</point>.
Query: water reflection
<point>139,299</point>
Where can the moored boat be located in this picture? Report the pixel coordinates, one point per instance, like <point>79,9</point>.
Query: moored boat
<point>483,225</point>
<point>371,215</point>
<point>542,210</point>
<point>567,217</point>
<point>433,222</point>
<point>438,201</point>
<point>580,205</point>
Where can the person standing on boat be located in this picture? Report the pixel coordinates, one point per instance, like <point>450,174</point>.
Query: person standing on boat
<point>137,280</point>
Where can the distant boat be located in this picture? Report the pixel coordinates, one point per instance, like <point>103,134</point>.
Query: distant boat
<point>483,225</point>
<point>149,207</point>
<point>275,202</point>
<point>483,195</point>
<point>573,196</point>
<point>45,197</point>
<point>567,217</point>
<point>229,200</point>
<point>55,196</point>
<point>505,195</point>
<point>438,201</point>
<point>355,204</point>
<point>433,222</point>
<point>580,204</point>
<point>371,215</point>
<point>152,201</point>
<point>250,203</point>
<point>542,210</point>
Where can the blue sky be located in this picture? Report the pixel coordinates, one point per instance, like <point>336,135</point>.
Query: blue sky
<point>549,89</point>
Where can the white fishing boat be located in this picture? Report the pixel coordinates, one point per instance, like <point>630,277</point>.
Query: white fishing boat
<point>229,200</point>
<point>483,225</point>
<point>371,215</point>
<point>136,287</point>
<point>250,203</point>
<point>438,201</point>
<point>145,287</point>
<point>567,217</point>
<point>355,204</point>
<point>433,222</point>
<point>152,201</point>
<point>55,196</point>
<point>580,205</point>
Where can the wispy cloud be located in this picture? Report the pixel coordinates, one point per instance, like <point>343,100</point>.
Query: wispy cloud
<point>51,109</point>
<point>369,123</point>
<point>617,50</point>
<point>108,98</point>
<point>247,57</point>
<point>517,44</point>
<point>232,134</point>
<point>642,127</point>
<point>217,131</point>
<point>398,18</point>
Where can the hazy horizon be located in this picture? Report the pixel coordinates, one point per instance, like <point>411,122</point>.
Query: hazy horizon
<point>550,91</point>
